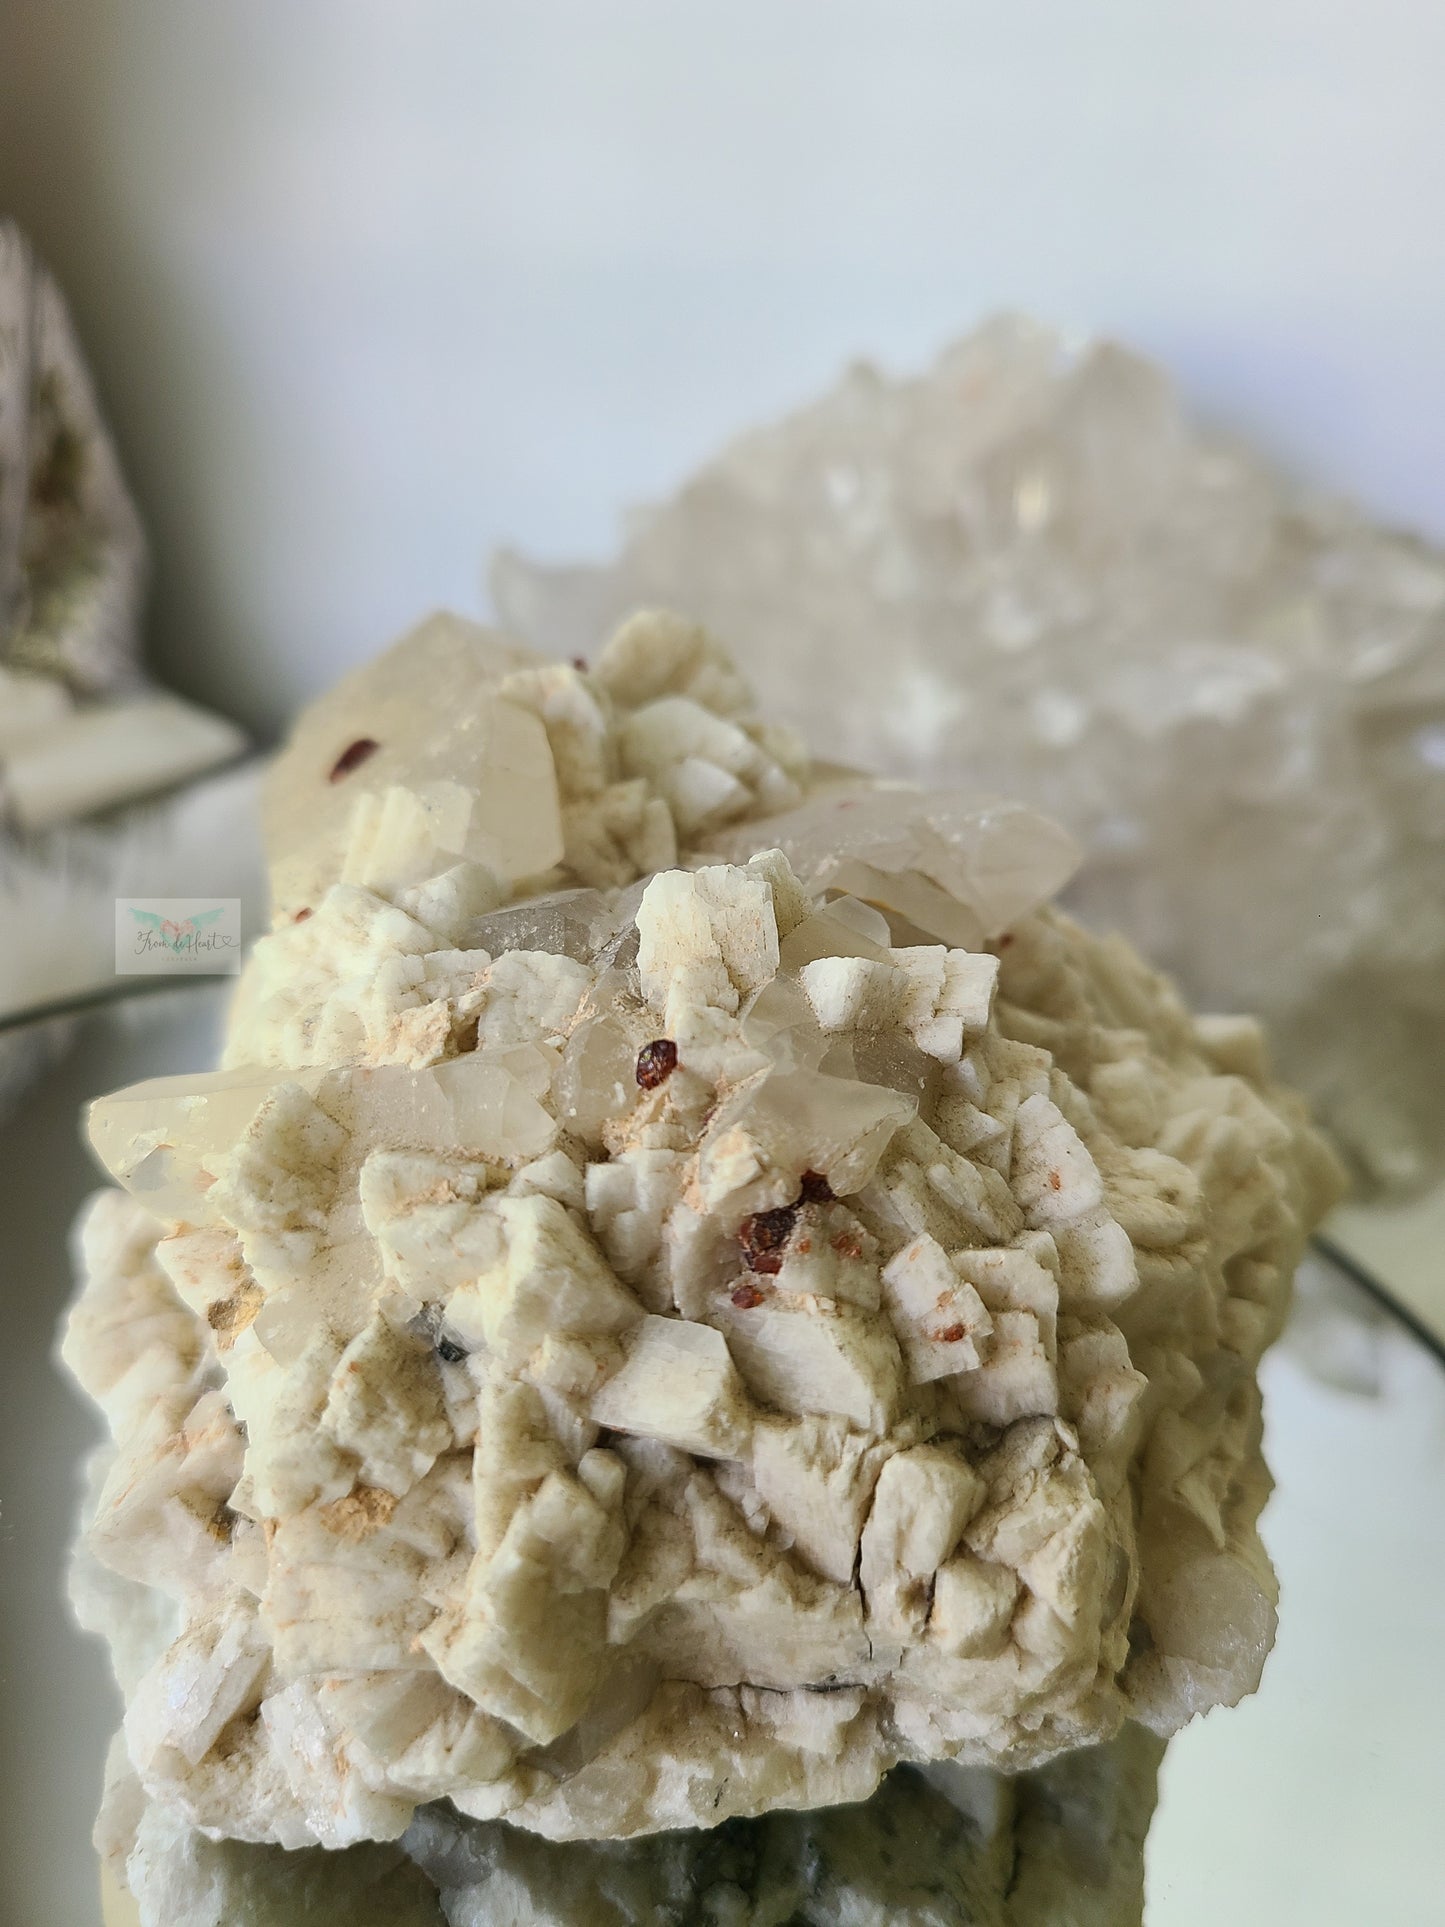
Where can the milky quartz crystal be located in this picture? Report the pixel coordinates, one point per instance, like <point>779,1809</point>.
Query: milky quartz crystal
<point>694,1284</point>
<point>1028,569</point>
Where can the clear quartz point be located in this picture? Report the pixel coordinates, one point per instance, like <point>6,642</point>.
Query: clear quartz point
<point>957,868</point>
<point>569,923</point>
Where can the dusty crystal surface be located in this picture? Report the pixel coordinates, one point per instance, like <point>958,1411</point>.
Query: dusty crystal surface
<point>670,1334</point>
<point>1029,569</point>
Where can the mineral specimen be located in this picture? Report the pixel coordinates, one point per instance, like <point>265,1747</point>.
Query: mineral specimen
<point>1028,569</point>
<point>72,572</point>
<point>76,732</point>
<point>616,1454</point>
<point>1064,1843</point>
<point>72,554</point>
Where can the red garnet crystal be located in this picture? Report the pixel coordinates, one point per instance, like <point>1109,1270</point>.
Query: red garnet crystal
<point>352,757</point>
<point>656,1062</point>
<point>764,1236</point>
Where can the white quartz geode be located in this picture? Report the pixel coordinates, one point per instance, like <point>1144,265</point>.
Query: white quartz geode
<point>622,1354</point>
<point>1030,569</point>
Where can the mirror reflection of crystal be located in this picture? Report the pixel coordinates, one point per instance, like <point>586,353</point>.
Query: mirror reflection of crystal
<point>187,936</point>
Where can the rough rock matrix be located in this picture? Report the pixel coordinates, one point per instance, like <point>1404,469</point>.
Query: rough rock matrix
<point>1030,566</point>
<point>1062,1844</point>
<point>694,1285</point>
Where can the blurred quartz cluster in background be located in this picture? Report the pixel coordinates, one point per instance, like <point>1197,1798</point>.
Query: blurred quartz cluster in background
<point>1028,571</point>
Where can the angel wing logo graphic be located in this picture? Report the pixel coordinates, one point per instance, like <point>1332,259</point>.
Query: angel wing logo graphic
<point>176,936</point>
<point>149,921</point>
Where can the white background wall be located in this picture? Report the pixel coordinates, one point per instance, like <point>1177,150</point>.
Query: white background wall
<point>374,284</point>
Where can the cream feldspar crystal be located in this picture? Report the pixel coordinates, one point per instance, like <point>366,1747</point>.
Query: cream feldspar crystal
<point>618,1439</point>
<point>1029,564</point>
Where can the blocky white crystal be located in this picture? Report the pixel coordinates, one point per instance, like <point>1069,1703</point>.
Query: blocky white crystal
<point>678,1384</point>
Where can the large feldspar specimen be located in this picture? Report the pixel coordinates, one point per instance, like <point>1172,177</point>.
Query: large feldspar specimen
<point>1030,570</point>
<point>694,1285</point>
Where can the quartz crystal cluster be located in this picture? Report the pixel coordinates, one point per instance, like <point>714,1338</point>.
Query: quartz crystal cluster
<point>1028,567</point>
<point>695,1284</point>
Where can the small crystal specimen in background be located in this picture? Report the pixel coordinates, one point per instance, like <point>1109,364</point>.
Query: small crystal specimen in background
<point>72,552</point>
<point>79,730</point>
<point>1029,570</point>
<point>72,575</point>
